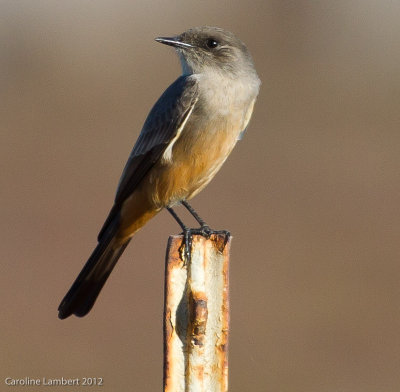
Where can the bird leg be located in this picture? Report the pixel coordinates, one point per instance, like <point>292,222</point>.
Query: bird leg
<point>187,235</point>
<point>195,215</point>
<point>204,229</point>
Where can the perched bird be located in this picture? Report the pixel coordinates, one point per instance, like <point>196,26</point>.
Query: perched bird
<point>185,139</point>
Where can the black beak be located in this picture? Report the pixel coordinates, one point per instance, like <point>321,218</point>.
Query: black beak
<point>173,41</point>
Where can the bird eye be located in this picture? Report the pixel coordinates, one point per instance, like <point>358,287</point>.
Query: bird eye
<point>212,43</point>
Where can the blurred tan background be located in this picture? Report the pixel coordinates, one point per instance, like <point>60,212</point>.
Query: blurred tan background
<point>311,194</point>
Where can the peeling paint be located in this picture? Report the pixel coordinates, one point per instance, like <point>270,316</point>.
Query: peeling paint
<point>196,322</point>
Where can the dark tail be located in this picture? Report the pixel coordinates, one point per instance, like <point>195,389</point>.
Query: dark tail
<point>87,286</point>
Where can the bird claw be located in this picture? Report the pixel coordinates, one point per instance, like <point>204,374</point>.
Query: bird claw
<point>206,232</point>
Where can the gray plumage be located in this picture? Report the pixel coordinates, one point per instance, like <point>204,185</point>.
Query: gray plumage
<point>185,139</point>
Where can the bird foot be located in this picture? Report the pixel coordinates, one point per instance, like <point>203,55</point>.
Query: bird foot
<point>206,232</point>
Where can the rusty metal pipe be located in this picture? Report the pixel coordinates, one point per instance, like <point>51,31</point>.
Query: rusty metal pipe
<point>196,315</point>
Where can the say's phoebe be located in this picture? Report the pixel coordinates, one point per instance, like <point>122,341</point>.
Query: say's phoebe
<point>185,139</point>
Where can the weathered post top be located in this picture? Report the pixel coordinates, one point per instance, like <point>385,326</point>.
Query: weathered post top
<point>196,315</point>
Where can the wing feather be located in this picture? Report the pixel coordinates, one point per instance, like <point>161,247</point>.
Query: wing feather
<point>160,128</point>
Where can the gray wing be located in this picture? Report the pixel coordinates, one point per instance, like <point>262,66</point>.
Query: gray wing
<point>160,127</point>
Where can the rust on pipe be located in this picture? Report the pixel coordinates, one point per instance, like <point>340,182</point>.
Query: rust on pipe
<point>196,315</point>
